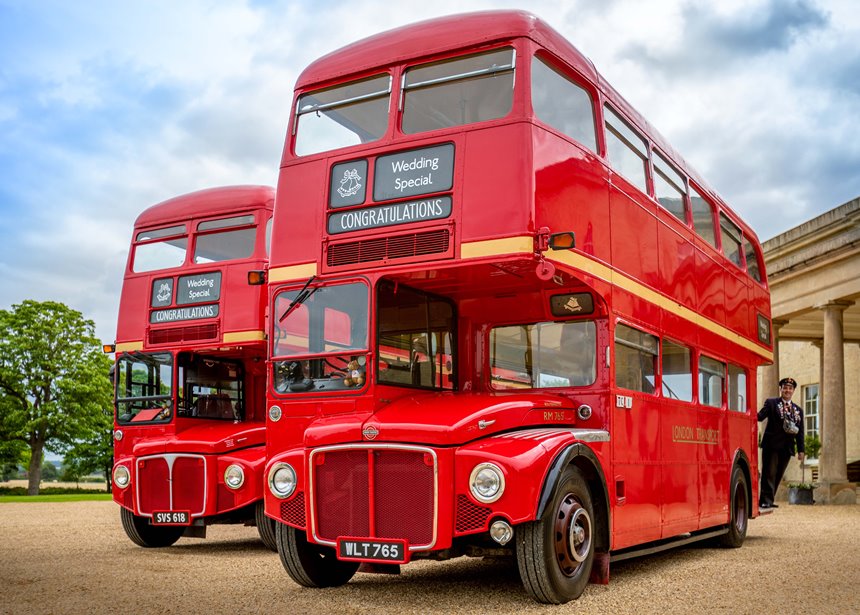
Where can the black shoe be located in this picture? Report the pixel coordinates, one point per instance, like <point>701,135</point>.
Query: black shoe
<point>774,505</point>
<point>764,505</point>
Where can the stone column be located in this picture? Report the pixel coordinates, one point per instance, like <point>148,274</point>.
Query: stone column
<point>832,465</point>
<point>770,373</point>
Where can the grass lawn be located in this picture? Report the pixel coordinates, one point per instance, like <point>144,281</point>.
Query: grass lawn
<point>58,497</point>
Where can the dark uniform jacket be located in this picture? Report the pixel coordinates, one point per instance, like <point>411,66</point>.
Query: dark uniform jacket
<point>774,435</point>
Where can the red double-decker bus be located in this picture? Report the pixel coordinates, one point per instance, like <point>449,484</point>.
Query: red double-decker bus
<point>189,427</point>
<point>509,318</point>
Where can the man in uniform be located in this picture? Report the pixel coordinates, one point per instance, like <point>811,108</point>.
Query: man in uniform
<point>778,442</point>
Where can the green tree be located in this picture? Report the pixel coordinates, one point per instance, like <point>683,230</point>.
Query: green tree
<point>54,385</point>
<point>50,471</point>
<point>94,453</point>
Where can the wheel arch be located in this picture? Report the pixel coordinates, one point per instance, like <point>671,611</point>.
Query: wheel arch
<point>582,457</point>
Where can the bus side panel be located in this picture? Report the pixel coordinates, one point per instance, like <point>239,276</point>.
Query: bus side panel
<point>680,477</point>
<point>714,459</point>
<point>677,262</point>
<point>636,455</point>
<point>571,193</point>
<point>709,284</point>
<point>497,202</point>
<point>634,232</point>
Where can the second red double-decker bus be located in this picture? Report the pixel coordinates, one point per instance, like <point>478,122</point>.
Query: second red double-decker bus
<point>506,317</point>
<point>189,429</point>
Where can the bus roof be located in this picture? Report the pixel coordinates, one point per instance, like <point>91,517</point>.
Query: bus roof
<point>209,202</point>
<point>432,36</point>
<point>468,30</point>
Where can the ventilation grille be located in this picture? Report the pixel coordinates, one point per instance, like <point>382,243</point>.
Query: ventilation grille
<point>470,516</point>
<point>184,334</point>
<point>383,250</point>
<point>293,511</point>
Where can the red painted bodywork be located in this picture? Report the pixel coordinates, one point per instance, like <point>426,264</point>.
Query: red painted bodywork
<point>214,443</point>
<point>512,177</point>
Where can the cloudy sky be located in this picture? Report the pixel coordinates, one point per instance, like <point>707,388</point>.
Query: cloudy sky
<point>109,107</point>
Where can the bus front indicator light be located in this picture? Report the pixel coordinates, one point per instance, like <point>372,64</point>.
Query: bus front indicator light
<point>487,482</point>
<point>121,477</point>
<point>282,480</point>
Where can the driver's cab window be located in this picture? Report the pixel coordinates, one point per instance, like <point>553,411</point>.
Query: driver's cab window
<point>211,388</point>
<point>543,355</point>
<point>144,388</point>
<point>415,338</point>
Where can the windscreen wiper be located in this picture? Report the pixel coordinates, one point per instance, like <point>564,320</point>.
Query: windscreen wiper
<point>303,295</point>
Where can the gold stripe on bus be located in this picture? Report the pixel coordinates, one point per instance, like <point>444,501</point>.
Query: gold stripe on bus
<point>129,346</point>
<point>244,336</point>
<point>292,272</point>
<point>494,247</point>
<point>517,245</point>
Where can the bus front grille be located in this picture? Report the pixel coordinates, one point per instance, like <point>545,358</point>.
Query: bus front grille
<point>171,482</point>
<point>375,493</point>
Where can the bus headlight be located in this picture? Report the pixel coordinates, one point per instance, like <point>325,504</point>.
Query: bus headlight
<point>234,476</point>
<point>282,480</point>
<point>487,482</point>
<point>121,477</point>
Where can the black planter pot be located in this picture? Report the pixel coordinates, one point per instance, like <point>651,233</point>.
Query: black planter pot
<point>800,495</point>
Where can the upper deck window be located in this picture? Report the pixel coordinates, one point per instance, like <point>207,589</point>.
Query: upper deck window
<point>344,115</point>
<point>457,92</point>
<point>751,255</point>
<point>225,245</point>
<point>703,217</point>
<point>563,104</point>
<point>160,254</point>
<point>669,188</point>
<point>731,240</point>
<point>626,150</point>
<point>543,355</point>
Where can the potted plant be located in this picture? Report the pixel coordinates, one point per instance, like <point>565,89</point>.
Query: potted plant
<point>801,493</point>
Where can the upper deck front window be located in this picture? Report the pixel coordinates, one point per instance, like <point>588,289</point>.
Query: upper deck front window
<point>457,92</point>
<point>164,254</point>
<point>341,116</point>
<point>228,243</point>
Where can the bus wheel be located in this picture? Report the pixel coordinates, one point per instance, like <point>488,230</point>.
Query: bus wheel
<point>555,554</point>
<point>145,535</point>
<point>739,505</point>
<point>265,527</point>
<point>308,564</point>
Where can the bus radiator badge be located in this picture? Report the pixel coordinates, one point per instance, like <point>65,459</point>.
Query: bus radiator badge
<point>370,432</point>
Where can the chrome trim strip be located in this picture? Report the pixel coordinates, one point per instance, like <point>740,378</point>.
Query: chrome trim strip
<point>170,458</point>
<point>584,435</point>
<point>370,446</point>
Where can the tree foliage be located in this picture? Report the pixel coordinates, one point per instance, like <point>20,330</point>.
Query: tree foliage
<point>54,385</point>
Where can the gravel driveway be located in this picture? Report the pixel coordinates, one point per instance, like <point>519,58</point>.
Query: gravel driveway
<point>75,558</point>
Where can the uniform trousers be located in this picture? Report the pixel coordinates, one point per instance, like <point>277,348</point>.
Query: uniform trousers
<point>774,461</point>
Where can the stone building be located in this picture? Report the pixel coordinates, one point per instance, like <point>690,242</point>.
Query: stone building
<point>814,277</point>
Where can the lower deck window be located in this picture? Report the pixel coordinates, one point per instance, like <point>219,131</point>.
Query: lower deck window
<point>543,355</point>
<point>635,359</point>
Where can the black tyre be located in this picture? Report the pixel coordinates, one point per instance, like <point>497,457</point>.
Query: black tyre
<point>145,535</point>
<point>308,564</point>
<point>739,504</point>
<point>265,527</point>
<point>555,553</point>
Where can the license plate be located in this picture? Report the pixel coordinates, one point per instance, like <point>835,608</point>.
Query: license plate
<point>372,550</point>
<point>171,517</point>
